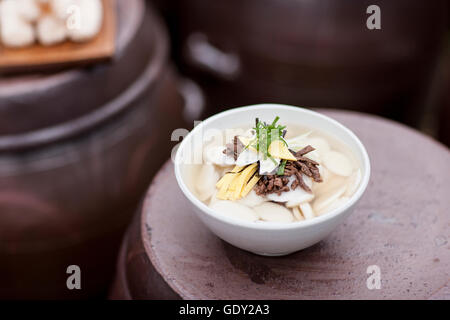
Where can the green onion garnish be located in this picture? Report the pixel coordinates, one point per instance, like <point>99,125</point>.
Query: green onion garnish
<point>281,168</point>
<point>266,134</point>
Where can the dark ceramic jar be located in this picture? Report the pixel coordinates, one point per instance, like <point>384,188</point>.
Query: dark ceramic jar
<point>444,115</point>
<point>313,53</point>
<point>77,150</point>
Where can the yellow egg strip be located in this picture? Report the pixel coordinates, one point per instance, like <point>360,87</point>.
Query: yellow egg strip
<point>232,185</point>
<point>250,186</point>
<point>242,180</point>
<point>278,149</point>
<point>224,184</point>
<point>226,179</point>
<point>222,194</point>
<point>246,142</point>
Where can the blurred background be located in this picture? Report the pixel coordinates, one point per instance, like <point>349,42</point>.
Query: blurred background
<point>75,168</point>
<point>317,54</point>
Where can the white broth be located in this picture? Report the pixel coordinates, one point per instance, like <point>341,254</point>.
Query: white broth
<point>340,172</point>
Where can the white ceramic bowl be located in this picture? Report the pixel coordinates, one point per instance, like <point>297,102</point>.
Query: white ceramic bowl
<point>272,239</point>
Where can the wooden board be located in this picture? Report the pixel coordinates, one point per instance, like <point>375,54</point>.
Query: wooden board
<point>68,53</point>
<point>401,225</point>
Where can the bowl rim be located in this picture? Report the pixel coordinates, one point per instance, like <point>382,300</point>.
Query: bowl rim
<point>273,225</point>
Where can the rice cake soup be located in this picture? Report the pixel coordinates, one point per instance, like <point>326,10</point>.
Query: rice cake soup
<point>274,173</point>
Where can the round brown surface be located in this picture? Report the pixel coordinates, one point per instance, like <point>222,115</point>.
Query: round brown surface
<point>402,225</point>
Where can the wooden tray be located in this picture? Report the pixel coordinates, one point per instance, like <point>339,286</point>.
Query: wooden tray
<point>68,53</point>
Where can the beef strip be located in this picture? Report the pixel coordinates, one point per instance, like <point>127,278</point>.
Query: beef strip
<point>234,149</point>
<point>278,184</point>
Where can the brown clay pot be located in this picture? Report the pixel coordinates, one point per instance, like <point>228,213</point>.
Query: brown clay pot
<point>164,6</point>
<point>444,117</point>
<point>313,53</point>
<point>168,10</point>
<point>77,151</point>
